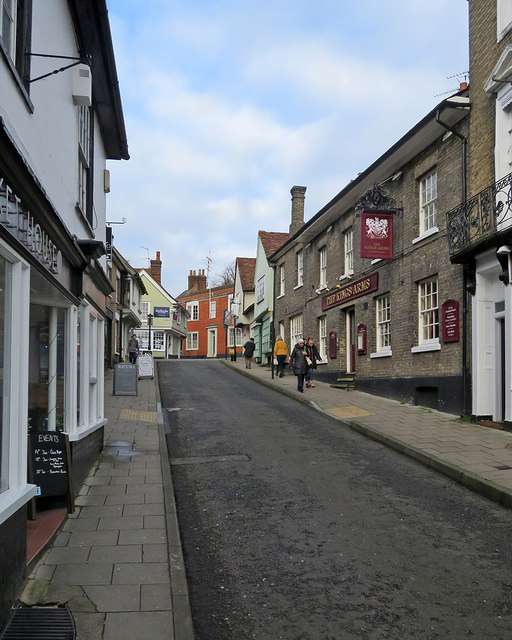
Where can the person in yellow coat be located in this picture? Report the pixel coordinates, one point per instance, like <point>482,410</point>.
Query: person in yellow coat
<point>280,352</point>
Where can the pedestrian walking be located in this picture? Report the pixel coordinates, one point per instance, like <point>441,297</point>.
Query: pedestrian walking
<point>313,357</point>
<point>133,349</point>
<point>280,353</point>
<point>249,348</point>
<point>299,364</point>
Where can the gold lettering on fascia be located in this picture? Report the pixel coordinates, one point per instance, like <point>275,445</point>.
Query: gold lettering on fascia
<point>348,292</point>
<point>21,224</point>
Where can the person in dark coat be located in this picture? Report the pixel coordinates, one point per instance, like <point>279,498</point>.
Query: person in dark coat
<point>299,364</point>
<point>315,357</point>
<point>133,349</point>
<point>249,348</point>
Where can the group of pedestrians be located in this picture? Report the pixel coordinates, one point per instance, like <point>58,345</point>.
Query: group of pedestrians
<point>303,359</point>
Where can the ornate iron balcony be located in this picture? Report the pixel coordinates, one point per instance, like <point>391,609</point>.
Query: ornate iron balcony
<point>479,219</point>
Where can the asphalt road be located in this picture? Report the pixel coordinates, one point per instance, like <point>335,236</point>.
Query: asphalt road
<point>295,527</point>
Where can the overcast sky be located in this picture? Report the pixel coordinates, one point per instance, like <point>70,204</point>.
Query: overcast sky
<point>229,103</point>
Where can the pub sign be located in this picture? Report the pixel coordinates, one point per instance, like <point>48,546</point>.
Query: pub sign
<point>376,235</point>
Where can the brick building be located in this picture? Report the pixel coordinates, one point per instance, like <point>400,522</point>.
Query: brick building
<point>480,226</point>
<point>394,324</point>
<point>206,334</point>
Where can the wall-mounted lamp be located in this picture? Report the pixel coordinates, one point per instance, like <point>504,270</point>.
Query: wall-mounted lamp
<point>503,255</point>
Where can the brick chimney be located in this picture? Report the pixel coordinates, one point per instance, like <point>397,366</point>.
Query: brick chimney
<point>155,269</point>
<point>197,281</point>
<point>298,197</point>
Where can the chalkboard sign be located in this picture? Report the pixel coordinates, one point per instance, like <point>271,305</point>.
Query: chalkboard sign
<point>49,463</point>
<point>146,366</point>
<point>125,379</point>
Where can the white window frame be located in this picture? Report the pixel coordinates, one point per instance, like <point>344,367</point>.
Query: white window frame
<point>382,326</point>
<point>428,316</point>
<point>504,18</point>
<point>348,253</point>
<point>260,289</point>
<point>144,310</point>
<point>192,341</point>
<point>8,8</point>
<point>19,492</point>
<point>300,268</point>
<point>296,329</point>
<point>213,308</point>
<point>193,309</point>
<point>157,333</point>
<point>322,260</point>
<point>428,204</point>
<point>281,281</point>
<point>238,336</point>
<point>84,157</point>
<point>322,338</point>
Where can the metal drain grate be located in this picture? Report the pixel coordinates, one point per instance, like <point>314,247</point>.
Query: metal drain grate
<point>40,623</point>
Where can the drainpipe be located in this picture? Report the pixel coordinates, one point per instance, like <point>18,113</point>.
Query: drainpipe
<point>464,270</point>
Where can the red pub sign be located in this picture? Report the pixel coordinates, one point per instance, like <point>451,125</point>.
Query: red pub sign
<point>376,235</point>
<point>450,321</point>
<point>351,291</point>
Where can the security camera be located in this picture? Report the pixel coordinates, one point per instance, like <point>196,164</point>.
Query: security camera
<point>504,250</point>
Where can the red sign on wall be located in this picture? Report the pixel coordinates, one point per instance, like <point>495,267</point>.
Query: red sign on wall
<point>376,235</point>
<point>450,321</point>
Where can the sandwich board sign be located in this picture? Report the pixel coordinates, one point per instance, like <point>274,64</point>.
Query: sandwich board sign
<point>145,366</point>
<point>125,379</point>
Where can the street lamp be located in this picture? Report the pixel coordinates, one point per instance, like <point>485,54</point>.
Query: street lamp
<point>150,322</point>
<point>234,311</point>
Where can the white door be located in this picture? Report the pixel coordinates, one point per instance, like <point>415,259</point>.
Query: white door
<point>212,343</point>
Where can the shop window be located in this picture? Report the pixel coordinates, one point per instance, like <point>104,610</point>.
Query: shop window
<point>143,338</point>
<point>5,342</point>
<point>238,336</point>
<point>46,368</point>
<point>158,339</point>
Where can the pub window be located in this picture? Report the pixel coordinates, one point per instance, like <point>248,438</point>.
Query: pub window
<point>383,310</point>
<point>296,329</point>
<point>348,242</point>
<point>428,311</point>
<point>322,335</point>
<point>428,203</point>
<point>322,258</point>
<point>300,268</point>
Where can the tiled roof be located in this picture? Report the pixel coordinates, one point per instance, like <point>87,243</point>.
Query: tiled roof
<point>272,241</point>
<point>246,268</point>
<point>194,294</point>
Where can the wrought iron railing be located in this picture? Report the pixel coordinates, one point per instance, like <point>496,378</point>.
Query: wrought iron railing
<point>483,216</point>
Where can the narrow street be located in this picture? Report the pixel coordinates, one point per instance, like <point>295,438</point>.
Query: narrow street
<point>295,527</point>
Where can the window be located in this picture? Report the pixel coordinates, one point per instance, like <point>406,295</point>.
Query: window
<point>504,18</point>
<point>322,335</point>
<point>15,30</point>
<point>84,162</point>
<point>213,308</point>
<point>383,323</point>
<point>192,341</point>
<point>145,306</point>
<point>348,241</point>
<point>300,268</point>
<point>193,310</point>
<point>281,280</point>
<point>428,311</point>
<point>143,338</point>
<point>158,339</point>
<point>238,335</point>
<point>295,329</point>
<point>322,257</point>
<point>260,289</point>
<point>428,203</point>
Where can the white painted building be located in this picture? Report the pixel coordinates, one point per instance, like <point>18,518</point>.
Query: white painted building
<point>57,131</point>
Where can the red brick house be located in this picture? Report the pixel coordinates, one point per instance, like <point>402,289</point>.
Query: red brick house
<point>206,335</point>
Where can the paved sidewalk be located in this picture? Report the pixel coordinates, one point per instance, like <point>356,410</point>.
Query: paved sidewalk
<point>479,458</point>
<point>117,561</point>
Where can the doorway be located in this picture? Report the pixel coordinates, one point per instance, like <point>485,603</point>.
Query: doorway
<point>212,343</point>
<point>351,340</point>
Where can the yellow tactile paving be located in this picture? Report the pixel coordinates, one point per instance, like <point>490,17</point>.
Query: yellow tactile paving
<point>350,412</point>
<point>138,416</point>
